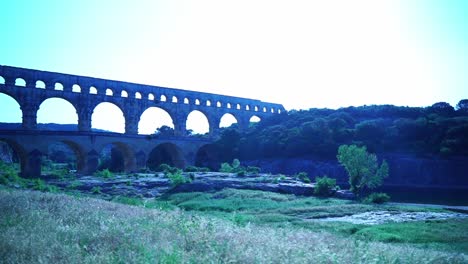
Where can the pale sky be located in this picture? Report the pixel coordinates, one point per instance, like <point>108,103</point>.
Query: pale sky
<point>302,54</point>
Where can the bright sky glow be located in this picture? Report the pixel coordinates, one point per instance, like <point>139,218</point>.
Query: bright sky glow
<point>301,53</point>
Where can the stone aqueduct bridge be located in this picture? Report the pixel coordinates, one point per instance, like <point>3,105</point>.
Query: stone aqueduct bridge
<point>32,87</point>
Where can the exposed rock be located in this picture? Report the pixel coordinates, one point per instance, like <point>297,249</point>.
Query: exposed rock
<point>381,217</point>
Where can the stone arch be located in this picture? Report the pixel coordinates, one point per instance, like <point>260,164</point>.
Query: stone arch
<point>152,119</point>
<point>151,96</point>
<point>228,105</point>
<point>247,107</point>
<point>78,160</point>
<point>124,94</point>
<point>93,90</point>
<point>163,98</point>
<point>20,82</point>
<point>21,154</point>
<point>186,100</point>
<point>208,103</point>
<point>174,99</point>
<point>40,84</point>
<point>207,156</point>
<point>109,92</point>
<point>264,109</point>
<point>76,88</point>
<point>137,95</point>
<point>256,108</point>
<point>198,122</point>
<point>58,86</point>
<point>2,80</point>
<point>197,102</point>
<point>108,116</point>
<point>219,104</point>
<point>227,120</point>
<point>122,157</point>
<point>11,109</point>
<point>47,112</point>
<point>254,119</point>
<point>167,153</point>
<point>238,106</point>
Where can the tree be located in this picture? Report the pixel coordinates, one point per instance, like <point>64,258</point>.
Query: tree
<point>463,105</point>
<point>362,167</point>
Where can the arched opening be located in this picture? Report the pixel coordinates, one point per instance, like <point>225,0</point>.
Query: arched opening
<point>279,111</point>
<point>152,119</point>
<point>117,157</point>
<point>238,106</point>
<point>62,159</point>
<point>12,158</point>
<point>272,110</point>
<point>109,92</point>
<point>218,104</point>
<point>2,80</point>
<point>11,112</point>
<point>229,105</point>
<point>197,123</point>
<point>163,98</point>
<point>58,86</point>
<point>165,153</point>
<point>49,115</point>
<point>255,119</point>
<point>174,99</point>
<point>197,102</point>
<point>40,84</point>
<point>186,100</point>
<point>208,103</point>
<point>93,90</point>
<point>20,82</point>
<point>227,120</point>
<point>247,107</point>
<point>151,97</point>
<point>76,88</point>
<point>124,94</point>
<point>264,109</point>
<point>108,117</point>
<point>256,109</point>
<point>207,156</point>
<point>138,95</point>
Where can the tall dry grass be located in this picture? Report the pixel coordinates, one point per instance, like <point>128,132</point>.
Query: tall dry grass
<point>55,228</point>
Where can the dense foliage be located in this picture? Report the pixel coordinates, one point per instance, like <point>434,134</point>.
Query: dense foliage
<point>362,167</point>
<point>436,130</point>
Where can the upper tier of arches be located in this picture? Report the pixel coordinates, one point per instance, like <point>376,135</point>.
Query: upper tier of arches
<point>31,87</point>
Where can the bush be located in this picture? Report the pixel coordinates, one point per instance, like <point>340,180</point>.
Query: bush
<point>302,176</point>
<point>377,198</point>
<point>324,186</point>
<point>167,168</point>
<point>225,167</point>
<point>177,178</point>
<point>253,170</point>
<point>105,173</point>
<point>40,185</point>
<point>192,169</point>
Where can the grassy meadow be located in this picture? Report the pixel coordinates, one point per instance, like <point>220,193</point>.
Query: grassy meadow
<point>230,226</point>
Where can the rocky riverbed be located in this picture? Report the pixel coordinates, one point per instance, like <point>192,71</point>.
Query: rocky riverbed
<point>155,185</point>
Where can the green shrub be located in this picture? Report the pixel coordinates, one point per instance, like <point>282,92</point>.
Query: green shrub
<point>40,185</point>
<point>167,168</point>
<point>302,176</point>
<point>192,169</point>
<point>377,198</point>
<point>324,186</point>
<point>225,167</point>
<point>96,190</point>
<point>177,178</point>
<point>253,170</point>
<point>8,175</point>
<point>105,173</point>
